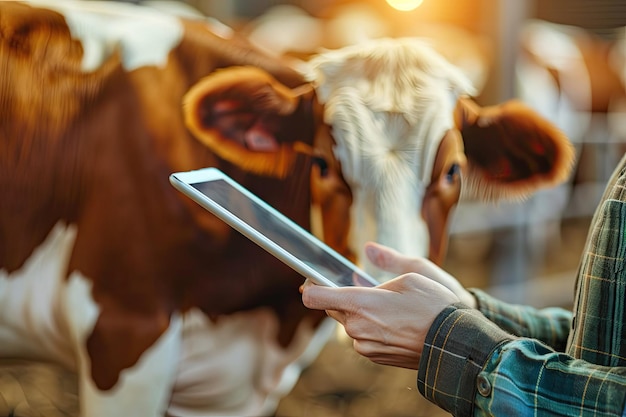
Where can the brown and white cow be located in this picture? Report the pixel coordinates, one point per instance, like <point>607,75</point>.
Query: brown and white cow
<point>159,307</point>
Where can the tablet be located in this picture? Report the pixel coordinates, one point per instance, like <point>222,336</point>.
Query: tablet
<point>268,228</point>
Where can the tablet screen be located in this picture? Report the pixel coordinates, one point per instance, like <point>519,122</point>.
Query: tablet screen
<point>299,243</point>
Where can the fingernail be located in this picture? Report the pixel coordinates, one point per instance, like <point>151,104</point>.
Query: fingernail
<point>371,251</point>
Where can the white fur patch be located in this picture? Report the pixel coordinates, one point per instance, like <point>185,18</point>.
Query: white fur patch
<point>145,36</point>
<point>32,321</point>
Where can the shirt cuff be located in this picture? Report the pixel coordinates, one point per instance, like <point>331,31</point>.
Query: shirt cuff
<point>456,349</point>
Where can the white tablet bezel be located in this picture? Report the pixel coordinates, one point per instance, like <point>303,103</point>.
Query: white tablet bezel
<point>183,181</point>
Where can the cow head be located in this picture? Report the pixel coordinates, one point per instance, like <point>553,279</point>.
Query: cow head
<point>395,133</point>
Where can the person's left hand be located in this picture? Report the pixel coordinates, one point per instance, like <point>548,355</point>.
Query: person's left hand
<point>389,322</point>
<point>390,260</point>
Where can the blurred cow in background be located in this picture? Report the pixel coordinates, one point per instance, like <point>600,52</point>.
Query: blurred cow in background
<point>577,80</point>
<point>160,308</point>
<point>580,73</point>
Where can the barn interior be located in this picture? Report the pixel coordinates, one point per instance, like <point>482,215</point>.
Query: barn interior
<point>524,251</point>
<point>565,58</point>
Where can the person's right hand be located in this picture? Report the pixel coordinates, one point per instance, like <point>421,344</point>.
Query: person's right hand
<point>390,260</point>
<point>389,322</point>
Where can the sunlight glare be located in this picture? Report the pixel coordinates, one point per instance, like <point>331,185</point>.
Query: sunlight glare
<point>404,5</point>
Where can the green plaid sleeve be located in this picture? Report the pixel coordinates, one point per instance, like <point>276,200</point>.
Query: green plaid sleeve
<point>599,327</point>
<point>471,367</point>
<point>549,325</point>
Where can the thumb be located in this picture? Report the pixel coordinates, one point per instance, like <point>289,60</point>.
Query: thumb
<point>319,297</point>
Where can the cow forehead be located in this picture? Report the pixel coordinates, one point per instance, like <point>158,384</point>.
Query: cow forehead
<point>144,36</point>
<point>389,103</point>
<point>392,75</point>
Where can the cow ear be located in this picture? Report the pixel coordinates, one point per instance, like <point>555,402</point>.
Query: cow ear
<point>248,118</point>
<point>511,150</point>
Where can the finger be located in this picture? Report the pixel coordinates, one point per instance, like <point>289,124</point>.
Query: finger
<point>359,281</point>
<point>389,259</point>
<point>375,348</point>
<point>307,282</point>
<point>387,355</point>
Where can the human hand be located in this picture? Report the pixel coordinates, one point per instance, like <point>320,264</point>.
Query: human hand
<point>390,260</point>
<point>389,322</point>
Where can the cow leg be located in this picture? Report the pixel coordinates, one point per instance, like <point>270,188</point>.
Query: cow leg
<point>143,389</point>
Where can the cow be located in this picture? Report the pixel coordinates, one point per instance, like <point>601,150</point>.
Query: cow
<point>577,80</point>
<point>580,74</point>
<point>159,307</point>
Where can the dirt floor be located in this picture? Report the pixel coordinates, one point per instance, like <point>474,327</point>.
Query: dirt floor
<point>343,384</point>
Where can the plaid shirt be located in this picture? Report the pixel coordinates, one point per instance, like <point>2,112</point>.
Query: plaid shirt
<point>509,360</point>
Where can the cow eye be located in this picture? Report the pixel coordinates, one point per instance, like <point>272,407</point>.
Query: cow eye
<point>453,173</point>
<point>322,164</point>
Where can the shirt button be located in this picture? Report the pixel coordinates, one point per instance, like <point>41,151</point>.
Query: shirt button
<point>483,385</point>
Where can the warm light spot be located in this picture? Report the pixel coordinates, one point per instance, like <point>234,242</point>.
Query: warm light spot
<point>405,5</point>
